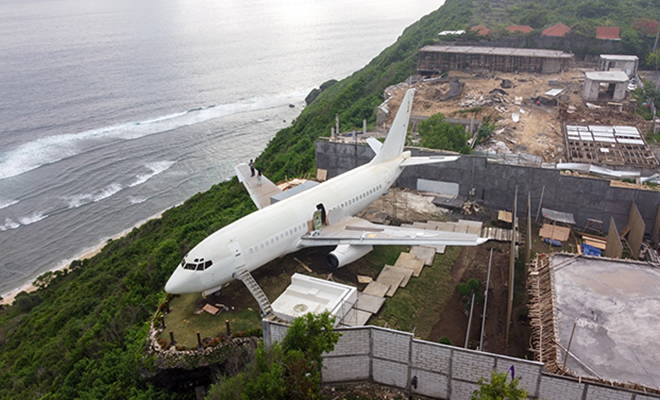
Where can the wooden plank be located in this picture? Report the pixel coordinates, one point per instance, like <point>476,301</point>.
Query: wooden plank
<point>505,216</point>
<point>560,233</point>
<point>210,309</point>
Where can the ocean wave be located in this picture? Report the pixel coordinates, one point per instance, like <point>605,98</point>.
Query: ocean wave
<point>156,168</point>
<point>7,203</point>
<point>9,224</point>
<point>51,149</point>
<point>82,199</point>
<point>32,218</point>
<point>136,200</point>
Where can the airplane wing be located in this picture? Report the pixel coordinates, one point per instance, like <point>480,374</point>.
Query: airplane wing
<point>260,193</point>
<point>357,231</point>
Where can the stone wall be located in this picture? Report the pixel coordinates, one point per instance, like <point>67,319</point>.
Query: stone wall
<point>494,185</point>
<point>395,358</point>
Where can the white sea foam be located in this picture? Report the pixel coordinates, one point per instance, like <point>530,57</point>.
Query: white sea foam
<point>136,200</point>
<point>7,203</point>
<point>156,168</point>
<point>9,224</point>
<point>108,191</point>
<point>32,218</point>
<point>48,150</point>
<point>84,198</point>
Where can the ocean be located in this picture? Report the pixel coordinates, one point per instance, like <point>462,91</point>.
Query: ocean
<point>114,111</point>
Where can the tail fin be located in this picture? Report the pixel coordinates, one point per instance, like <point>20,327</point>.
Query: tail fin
<point>396,137</point>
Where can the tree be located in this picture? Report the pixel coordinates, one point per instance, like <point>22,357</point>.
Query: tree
<point>467,289</point>
<point>287,370</point>
<point>438,134</point>
<point>499,389</point>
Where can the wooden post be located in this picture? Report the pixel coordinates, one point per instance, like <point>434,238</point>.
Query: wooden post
<point>167,306</point>
<point>568,349</point>
<point>162,321</point>
<point>512,264</point>
<point>199,341</point>
<point>228,328</point>
<point>172,341</point>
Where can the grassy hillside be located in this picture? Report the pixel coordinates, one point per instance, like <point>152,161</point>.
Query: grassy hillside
<point>82,335</point>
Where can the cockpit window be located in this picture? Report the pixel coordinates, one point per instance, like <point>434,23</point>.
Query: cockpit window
<point>199,265</point>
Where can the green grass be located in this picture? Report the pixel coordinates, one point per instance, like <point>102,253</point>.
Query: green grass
<point>418,305</point>
<point>185,324</point>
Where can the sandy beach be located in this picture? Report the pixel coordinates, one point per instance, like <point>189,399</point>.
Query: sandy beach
<point>8,297</point>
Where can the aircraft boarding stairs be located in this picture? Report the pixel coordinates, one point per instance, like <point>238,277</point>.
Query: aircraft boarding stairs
<point>246,277</point>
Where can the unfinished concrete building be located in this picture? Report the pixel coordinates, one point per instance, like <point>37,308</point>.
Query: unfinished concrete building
<point>617,62</point>
<point>614,82</point>
<point>435,59</point>
<point>603,332</point>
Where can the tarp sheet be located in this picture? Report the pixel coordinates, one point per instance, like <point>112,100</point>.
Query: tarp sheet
<point>558,216</point>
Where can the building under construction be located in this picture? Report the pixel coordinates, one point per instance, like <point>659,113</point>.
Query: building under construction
<point>605,331</point>
<point>435,59</point>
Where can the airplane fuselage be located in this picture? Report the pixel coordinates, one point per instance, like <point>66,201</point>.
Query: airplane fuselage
<point>276,230</point>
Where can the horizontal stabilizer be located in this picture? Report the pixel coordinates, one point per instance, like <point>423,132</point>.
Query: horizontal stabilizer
<point>375,144</point>
<point>427,160</point>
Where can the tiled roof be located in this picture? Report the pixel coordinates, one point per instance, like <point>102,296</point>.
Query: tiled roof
<point>521,28</point>
<point>608,32</point>
<point>481,30</point>
<point>557,30</point>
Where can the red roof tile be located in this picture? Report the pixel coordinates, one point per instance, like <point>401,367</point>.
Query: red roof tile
<point>557,30</point>
<point>481,30</point>
<point>608,32</point>
<point>521,28</point>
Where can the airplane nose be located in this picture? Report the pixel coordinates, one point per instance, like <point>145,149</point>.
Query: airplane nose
<point>178,284</point>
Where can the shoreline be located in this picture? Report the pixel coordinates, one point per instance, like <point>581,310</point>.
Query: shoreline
<point>9,296</point>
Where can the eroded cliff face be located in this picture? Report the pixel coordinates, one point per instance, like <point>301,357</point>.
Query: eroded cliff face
<point>184,370</point>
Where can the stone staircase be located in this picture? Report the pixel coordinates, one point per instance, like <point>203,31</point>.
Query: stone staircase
<point>264,304</point>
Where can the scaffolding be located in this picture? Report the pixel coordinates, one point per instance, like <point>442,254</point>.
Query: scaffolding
<point>608,145</point>
<point>544,342</point>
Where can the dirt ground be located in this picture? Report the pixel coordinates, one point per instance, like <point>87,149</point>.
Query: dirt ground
<point>539,130</point>
<point>453,321</point>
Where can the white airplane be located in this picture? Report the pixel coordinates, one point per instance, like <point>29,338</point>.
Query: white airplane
<point>319,216</point>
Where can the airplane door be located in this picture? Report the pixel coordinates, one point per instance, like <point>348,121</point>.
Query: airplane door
<point>237,253</point>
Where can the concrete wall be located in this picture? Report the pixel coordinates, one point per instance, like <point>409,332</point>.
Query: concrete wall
<point>590,90</point>
<point>394,358</point>
<point>495,184</point>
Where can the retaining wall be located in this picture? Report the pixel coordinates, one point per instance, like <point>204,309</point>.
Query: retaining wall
<point>494,185</point>
<point>395,358</point>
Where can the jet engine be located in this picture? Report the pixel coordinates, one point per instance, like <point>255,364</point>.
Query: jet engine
<point>346,254</point>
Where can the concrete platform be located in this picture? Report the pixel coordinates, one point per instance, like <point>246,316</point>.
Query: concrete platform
<point>616,306</point>
<point>393,277</point>
<point>440,249</point>
<point>377,289</point>
<point>421,225</point>
<point>408,260</point>
<point>465,226</point>
<point>356,318</point>
<point>369,303</point>
<point>445,226</point>
<point>424,253</point>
